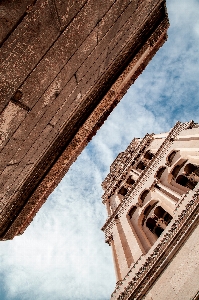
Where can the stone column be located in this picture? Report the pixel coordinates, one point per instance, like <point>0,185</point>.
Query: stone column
<point>120,258</point>
<point>115,260</point>
<point>169,199</point>
<point>135,245</point>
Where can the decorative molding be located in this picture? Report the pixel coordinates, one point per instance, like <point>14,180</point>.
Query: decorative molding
<point>121,164</point>
<point>109,240</point>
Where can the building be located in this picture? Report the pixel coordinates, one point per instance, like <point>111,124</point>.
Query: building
<point>64,66</point>
<point>152,199</point>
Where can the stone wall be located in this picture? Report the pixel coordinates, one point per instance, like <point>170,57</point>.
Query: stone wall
<point>179,280</point>
<point>64,67</point>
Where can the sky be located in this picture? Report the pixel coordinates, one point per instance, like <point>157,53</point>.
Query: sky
<point>62,255</point>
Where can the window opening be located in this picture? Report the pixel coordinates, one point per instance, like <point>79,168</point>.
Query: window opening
<point>171,156</point>
<point>159,221</point>
<point>160,172</point>
<point>123,191</point>
<point>148,155</point>
<point>141,166</point>
<point>144,194</point>
<point>177,169</point>
<point>130,180</point>
<point>187,182</point>
<point>190,168</point>
<point>132,210</point>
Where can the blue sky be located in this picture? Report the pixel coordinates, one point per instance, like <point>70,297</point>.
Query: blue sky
<point>62,255</point>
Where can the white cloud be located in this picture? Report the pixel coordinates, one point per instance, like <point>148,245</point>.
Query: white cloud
<point>62,255</point>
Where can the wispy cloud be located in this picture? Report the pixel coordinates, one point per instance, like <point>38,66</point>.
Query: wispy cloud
<point>62,255</point>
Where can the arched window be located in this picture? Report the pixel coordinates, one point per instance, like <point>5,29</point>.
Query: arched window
<point>130,180</point>
<point>160,172</point>
<point>148,155</point>
<point>177,169</point>
<point>159,212</point>
<point>190,168</point>
<point>141,166</point>
<point>151,224</point>
<point>123,191</point>
<point>147,210</point>
<point>131,211</point>
<point>171,157</point>
<point>185,181</point>
<point>143,195</point>
<point>159,221</point>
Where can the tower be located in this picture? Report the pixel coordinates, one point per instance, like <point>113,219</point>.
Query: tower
<point>151,195</point>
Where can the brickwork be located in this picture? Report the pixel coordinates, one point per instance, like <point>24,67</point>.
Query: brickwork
<point>64,67</point>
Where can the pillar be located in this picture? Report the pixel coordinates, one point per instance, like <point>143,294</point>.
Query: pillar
<point>170,202</point>
<point>134,242</point>
<point>120,258</point>
<point>115,260</point>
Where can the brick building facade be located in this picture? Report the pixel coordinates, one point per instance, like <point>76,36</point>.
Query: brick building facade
<point>152,199</point>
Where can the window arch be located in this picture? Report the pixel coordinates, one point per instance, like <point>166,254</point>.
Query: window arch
<point>177,169</point>
<point>185,181</point>
<point>130,180</point>
<point>157,222</point>
<point>160,213</point>
<point>147,211</point>
<point>132,211</point>
<point>190,168</point>
<point>133,217</point>
<point>171,157</point>
<point>143,195</point>
<point>122,191</point>
<point>148,155</point>
<point>141,166</point>
<point>143,235</point>
<point>160,172</point>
